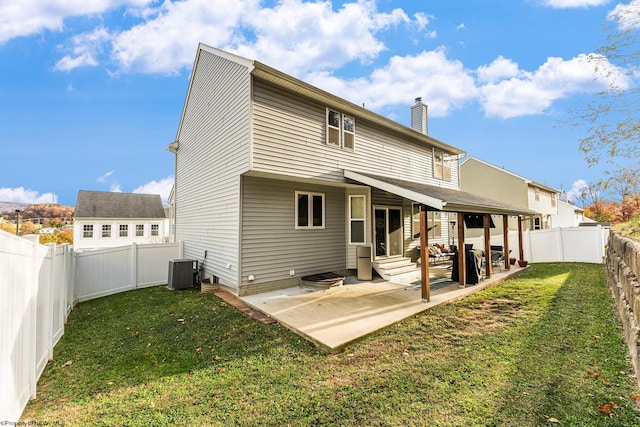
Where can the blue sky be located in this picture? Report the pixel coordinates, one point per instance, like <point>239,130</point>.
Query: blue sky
<point>91,91</point>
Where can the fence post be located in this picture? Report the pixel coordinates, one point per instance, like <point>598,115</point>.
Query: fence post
<point>134,265</point>
<point>51,295</point>
<point>560,240</point>
<point>33,311</point>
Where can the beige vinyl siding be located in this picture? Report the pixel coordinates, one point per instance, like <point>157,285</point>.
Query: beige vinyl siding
<point>289,137</point>
<point>213,152</point>
<point>271,246</point>
<point>485,180</point>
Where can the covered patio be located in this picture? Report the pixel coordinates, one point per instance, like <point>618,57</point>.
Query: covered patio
<point>336,317</point>
<point>463,204</point>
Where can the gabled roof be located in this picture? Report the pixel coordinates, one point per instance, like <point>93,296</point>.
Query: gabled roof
<point>525,180</point>
<point>439,198</point>
<point>290,83</point>
<point>103,204</point>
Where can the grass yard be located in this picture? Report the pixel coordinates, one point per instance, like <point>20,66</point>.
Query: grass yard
<point>542,349</point>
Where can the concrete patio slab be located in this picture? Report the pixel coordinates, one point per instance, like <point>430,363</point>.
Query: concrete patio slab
<point>336,317</point>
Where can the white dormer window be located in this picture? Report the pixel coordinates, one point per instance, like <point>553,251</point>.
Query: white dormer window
<point>341,130</point>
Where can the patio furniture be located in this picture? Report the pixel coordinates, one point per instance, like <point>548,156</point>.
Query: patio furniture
<point>473,267</point>
<point>497,256</point>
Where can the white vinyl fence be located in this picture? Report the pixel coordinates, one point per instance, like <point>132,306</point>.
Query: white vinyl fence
<point>562,244</point>
<point>39,286</point>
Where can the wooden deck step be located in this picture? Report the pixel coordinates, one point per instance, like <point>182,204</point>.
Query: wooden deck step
<point>239,305</point>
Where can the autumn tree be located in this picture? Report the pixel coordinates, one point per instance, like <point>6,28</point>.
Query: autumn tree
<point>27,227</point>
<point>612,121</point>
<point>8,227</point>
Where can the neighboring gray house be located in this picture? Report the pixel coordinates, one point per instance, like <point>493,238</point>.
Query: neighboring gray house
<point>104,219</point>
<point>277,179</point>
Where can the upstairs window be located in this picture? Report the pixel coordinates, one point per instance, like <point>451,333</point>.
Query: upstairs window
<point>139,230</point>
<point>309,210</point>
<point>106,230</point>
<point>441,165</point>
<point>341,130</point>
<point>124,230</point>
<point>87,231</point>
<point>154,229</point>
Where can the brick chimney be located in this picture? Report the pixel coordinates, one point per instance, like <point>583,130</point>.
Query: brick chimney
<point>419,116</point>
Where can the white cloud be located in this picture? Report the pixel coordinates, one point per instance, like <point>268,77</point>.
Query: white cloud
<point>103,179</point>
<point>519,93</point>
<point>84,50</point>
<point>442,83</point>
<point>294,35</point>
<point>627,15</point>
<point>499,69</point>
<point>567,4</point>
<point>115,187</point>
<point>167,39</point>
<point>575,194</point>
<point>162,187</point>
<point>27,17</point>
<point>22,195</point>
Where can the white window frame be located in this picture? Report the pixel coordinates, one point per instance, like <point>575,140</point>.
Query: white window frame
<point>340,129</point>
<point>363,219</point>
<point>310,225</point>
<point>123,228</point>
<point>444,164</point>
<point>138,230</point>
<point>106,229</point>
<point>87,231</point>
<point>435,232</point>
<point>155,230</point>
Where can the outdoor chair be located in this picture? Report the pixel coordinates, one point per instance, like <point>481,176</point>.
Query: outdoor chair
<point>497,258</point>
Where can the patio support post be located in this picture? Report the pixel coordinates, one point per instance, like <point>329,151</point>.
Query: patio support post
<point>505,241</point>
<point>424,256</point>
<point>487,245</point>
<point>462,253</point>
<point>520,244</point>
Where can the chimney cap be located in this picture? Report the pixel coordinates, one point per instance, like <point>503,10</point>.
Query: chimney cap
<point>418,99</point>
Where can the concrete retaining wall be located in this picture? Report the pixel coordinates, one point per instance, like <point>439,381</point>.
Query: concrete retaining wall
<point>623,269</point>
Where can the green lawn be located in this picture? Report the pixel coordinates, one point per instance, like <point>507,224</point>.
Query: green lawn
<point>542,349</point>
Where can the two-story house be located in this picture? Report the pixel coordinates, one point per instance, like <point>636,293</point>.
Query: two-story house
<point>480,177</point>
<point>277,179</point>
<point>106,219</point>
